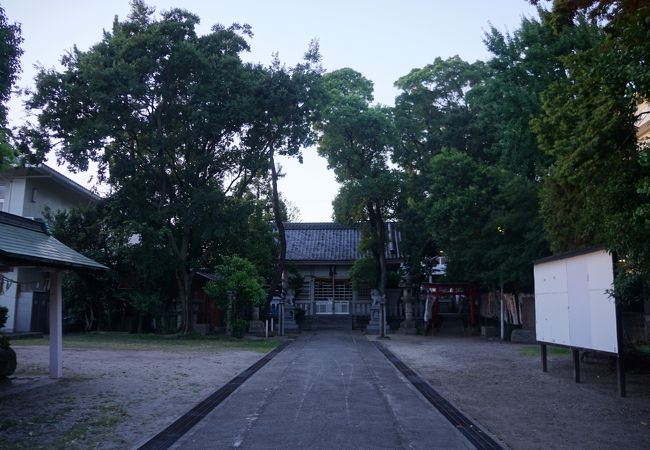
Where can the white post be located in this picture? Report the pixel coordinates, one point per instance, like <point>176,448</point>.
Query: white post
<point>382,318</point>
<point>56,325</point>
<point>501,313</point>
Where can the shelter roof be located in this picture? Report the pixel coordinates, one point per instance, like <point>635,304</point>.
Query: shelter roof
<point>27,242</point>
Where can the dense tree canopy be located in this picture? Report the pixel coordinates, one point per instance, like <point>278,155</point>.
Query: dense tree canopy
<point>10,52</point>
<point>161,110</point>
<point>357,139</point>
<point>493,163</point>
<point>472,165</point>
<point>286,101</point>
<point>597,189</point>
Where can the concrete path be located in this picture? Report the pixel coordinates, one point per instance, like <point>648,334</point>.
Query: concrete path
<point>327,390</point>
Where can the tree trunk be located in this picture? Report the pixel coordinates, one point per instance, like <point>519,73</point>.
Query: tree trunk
<point>277,215</point>
<point>184,279</point>
<point>379,230</point>
<point>184,282</point>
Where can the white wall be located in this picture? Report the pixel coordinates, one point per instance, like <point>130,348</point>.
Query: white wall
<point>42,192</point>
<point>572,305</point>
<point>28,198</point>
<point>15,196</point>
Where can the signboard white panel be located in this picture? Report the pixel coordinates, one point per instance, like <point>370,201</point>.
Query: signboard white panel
<point>572,306</point>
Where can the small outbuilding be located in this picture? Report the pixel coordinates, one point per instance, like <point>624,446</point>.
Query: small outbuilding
<point>29,243</point>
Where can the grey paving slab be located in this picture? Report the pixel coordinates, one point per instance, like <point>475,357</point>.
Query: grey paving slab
<point>327,390</point>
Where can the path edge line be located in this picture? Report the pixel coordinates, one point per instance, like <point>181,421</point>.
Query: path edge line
<point>479,438</point>
<point>178,428</point>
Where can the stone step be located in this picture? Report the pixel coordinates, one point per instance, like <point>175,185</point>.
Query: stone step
<point>327,323</point>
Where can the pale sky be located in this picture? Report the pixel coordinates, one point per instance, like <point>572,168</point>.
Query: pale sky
<point>382,39</point>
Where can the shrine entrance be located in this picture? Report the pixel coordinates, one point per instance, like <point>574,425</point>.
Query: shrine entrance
<point>332,296</point>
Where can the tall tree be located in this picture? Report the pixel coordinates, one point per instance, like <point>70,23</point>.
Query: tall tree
<point>357,139</point>
<point>432,113</point>
<point>597,189</point>
<point>10,52</point>
<point>477,117</point>
<point>286,101</point>
<point>161,110</point>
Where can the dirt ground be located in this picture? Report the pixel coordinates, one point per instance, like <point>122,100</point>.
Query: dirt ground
<point>107,398</point>
<point>119,398</point>
<point>501,386</point>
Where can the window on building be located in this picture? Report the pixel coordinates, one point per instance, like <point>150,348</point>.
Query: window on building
<point>2,196</point>
<point>304,293</point>
<point>326,289</point>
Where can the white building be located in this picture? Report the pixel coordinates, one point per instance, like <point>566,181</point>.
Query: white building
<point>27,192</point>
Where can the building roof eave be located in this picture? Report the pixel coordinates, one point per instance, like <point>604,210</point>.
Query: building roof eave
<point>44,171</point>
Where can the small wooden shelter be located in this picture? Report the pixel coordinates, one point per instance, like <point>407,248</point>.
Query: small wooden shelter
<point>29,243</point>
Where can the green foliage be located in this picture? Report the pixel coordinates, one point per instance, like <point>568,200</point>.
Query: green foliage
<point>432,111</point>
<point>285,104</point>
<point>156,342</point>
<point>237,277</point>
<point>7,152</point>
<point>147,303</point>
<point>91,296</point>
<point>239,327</point>
<point>139,273</point>
<point>10,53</point>
<point>365,271</point>
<point>244,230</point>
<point>630,286</point>
<point>164,113</point>
<point>356,139</point>
<point>594,192</point>
<point>473,168</point>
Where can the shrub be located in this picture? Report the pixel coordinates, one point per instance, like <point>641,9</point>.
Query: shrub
<point>239,328</point>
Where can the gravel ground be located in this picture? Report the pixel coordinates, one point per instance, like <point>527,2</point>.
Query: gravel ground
<point>107,398</point>
<point>119,398</point>
<point>501,387</point>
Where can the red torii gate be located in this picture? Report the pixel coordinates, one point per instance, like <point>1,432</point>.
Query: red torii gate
<point>455,294</point>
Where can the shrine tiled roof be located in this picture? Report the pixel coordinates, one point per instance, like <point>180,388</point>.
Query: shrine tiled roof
<point>331,242</point>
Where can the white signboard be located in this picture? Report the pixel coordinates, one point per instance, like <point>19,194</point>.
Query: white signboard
<point>572,306</point>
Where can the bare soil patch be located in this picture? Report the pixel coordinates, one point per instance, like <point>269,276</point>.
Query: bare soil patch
<point>109,398</point>
<point>501,386</point>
